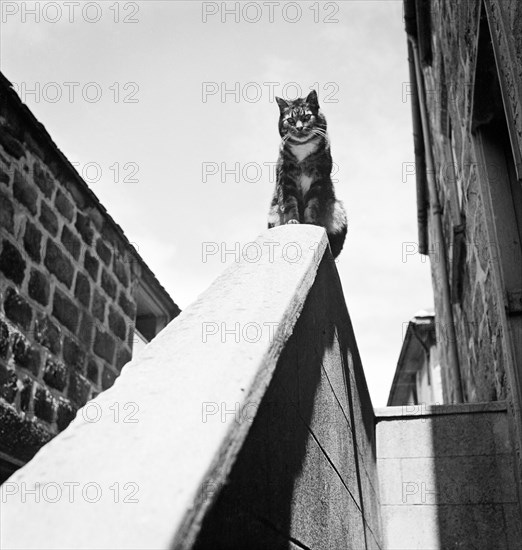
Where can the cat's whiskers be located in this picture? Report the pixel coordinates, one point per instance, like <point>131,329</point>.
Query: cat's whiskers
<point>321,133</point>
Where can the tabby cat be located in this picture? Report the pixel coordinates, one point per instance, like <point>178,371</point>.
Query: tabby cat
<point>304,191</point>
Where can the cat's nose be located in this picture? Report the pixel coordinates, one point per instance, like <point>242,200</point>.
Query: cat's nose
<point>299,125</point>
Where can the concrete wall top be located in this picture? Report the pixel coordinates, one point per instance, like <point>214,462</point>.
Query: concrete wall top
<point>133,462</point>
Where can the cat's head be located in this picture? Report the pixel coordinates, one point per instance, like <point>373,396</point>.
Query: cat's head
<point>301,120</point>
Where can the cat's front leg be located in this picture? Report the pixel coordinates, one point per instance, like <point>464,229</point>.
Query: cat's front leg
<point>311,213</point>
<point>290,206</point>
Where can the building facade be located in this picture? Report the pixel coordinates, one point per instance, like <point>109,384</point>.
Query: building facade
<point>466,83</point>
<point>74,292</point>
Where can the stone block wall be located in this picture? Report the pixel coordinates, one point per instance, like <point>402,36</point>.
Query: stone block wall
<point>67,287</point>
<point>449,85</point>
<point>447,477</point>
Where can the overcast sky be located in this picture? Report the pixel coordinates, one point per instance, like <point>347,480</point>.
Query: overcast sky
<point>136,93</point>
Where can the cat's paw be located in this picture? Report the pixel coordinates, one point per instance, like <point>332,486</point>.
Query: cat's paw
<point>291,221</point>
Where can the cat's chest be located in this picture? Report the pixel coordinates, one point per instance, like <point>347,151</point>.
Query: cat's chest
<point>304,182</point>
<point>303,150</point>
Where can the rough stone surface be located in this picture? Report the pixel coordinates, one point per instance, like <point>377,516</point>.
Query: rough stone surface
<point>128,306</point>
<point>83,226</point>
<point>98,305</point>
<point>44,180</point>
<point>450,85</point>
<point>71,242</point>
<point>55,374</point>
<point>49,272</point>
<point>17,309</point>
<point>65,311</point>
<point>91,265</point>
<point>8,384</point>
<point>6,213</point>
<point>73,354</point>
<point>58,264</point>
<point>44,405</point>
<point>24,193</point>
<point>33,242</point>
<point>104,252</point>
<point>12,265</point>
<point>4,339</point>
<point>79,389</point>
<point>39,288</point>
<point>117,324</point>
<point>49,219</point>
<point>104,346</point>
<point>65,414</point>
<point>109,284</point>
<point>47,334</point>
<point>64,205</point>
<point>108,378</point>
<point>82,289</point>
<point>25,355</point>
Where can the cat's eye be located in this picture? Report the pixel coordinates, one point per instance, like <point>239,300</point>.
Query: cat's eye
<point>290,120</point>
<point>307,117</point>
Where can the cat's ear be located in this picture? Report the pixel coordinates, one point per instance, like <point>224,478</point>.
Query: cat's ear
<point>312,99</point>
<point>282,104</point>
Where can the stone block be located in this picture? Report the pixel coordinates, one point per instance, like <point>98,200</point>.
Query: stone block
<point>79,389</point>
<point>55,374</point>
<point>98,305</point>
<point>12,264</point>
<point>39,288</point>
<point>8,384</point>
<point>104,252</point>
<point>120,270</point>
<point>122,358</point>
<point>58,264</point>
<point>4,339</point>
<point>127,305</point>
<point>66,311</point>
<point>93,371</point>
<point>73,355</point>
<point>108,284</point>
<point>65,414</point>
<point>86,330</point>
<point>11,145</point>
<point>104,346</point>
<point>92,265</point>
<point>6,212</point>
<point>108,378</point>
<point>117,324</point>
<point>25,355</point>
<point>43,180</point>
<point>64,205</point>
<point>71,242</point>
<point>17,309</point>
<point>48,218</point>
<point>47,334</point>
<point>82,289</point>
<point>83,226</point>
<point>44,405</point>
<point>33,241</point>
<point>25,193</point>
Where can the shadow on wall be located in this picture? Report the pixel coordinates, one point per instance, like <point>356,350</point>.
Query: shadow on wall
<point>296,481</point>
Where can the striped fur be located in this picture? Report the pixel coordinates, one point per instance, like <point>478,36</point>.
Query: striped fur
<point>304,192</point>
